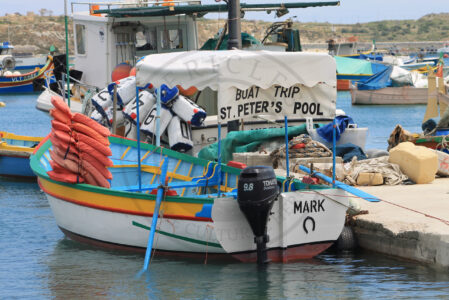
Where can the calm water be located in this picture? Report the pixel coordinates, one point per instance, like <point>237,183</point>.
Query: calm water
<point>36,262</point>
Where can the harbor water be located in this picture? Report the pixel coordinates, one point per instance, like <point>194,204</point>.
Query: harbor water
<point>37,262</point>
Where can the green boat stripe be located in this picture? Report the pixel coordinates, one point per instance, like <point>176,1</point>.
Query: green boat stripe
<point>190,240</point>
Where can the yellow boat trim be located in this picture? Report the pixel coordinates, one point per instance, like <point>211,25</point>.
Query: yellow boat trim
<point>188,174</point>
<point>5,146</point>
<point>12,136</point>
<point>117,203</point>
<point>145,155</point>
<point>174,170</point>
<point>124,153</point>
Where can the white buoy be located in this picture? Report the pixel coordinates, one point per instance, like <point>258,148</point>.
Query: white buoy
<point>188,111</point>
<point>102,101</point>
<point>148,126</point>
<point>179,135</point>
<point>147,101</point>
<point>126,90</point>
<point>130,129</point>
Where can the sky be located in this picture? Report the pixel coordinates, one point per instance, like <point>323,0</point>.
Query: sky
<point>350,11</point>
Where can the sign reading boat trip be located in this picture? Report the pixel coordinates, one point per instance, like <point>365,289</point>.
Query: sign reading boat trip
<point>296,101</point>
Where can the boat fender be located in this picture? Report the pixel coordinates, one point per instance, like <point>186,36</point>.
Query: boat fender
<point>103,149</point>
<point>67,164</point>
<point>60,126</point>
<point>99,178</point>
<point>148,126</point>
<point>88,178</point>
<point>65,176</point>
<point>179,135</point>
<point>71,137</point>
<point>146,102</point>
<point>83,129</point>
<point>59,104</point>
<point>97,165</point>
<point>60,116</point>
<point>101,101</point>
<point>69,155</point>
<point>126,90</point>
<point>347,239</point>
<point>80,118</point>
<point>63,146</point>
<point>86,149</point>
<point>188,111</point>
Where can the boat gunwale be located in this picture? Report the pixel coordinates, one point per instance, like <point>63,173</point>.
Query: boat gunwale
<point>46,143</point>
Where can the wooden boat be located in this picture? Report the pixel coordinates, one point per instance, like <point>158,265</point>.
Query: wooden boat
<point>305,219</point>
<point>390,95</point>
<point>23,83</point>
<point>15,151</point>
<point>200,214</point>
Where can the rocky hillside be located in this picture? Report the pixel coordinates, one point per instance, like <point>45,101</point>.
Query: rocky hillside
<point>34,33</point>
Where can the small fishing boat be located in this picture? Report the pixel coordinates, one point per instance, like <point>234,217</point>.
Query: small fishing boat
<point>195,220</point>
<point>208,208</point>
<point>15,151</point>
<point>22,62</point>
<point>390,95</point>
<point>25,83</point>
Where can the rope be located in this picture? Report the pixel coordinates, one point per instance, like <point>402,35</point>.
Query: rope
<point>444,144</point>
<point>383,200</point>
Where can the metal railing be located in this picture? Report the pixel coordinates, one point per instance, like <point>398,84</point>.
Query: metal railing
<point>137,3</point>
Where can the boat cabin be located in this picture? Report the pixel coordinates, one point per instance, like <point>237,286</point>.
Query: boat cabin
<point>109,41</point>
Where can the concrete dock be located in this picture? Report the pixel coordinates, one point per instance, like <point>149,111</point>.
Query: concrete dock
<point>412,222</point>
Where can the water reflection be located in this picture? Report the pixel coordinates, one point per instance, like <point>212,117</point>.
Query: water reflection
<point>80,271</point>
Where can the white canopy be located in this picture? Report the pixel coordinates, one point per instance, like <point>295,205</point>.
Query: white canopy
<point>235,73</point>
<point>236,68</point>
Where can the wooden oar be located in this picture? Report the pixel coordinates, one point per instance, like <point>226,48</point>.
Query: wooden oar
<point>160,195</point>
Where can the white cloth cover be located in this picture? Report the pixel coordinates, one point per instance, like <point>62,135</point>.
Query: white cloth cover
<point>102,101</point>
<point>225,71</point>
<point>146,102</point>
<point>188,111</point>
<point>179,135</point>
<point>148,126</point>
<point>126,90</point>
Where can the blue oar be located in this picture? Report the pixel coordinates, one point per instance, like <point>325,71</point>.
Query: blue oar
<point>160,194</point>
<point>341,185</point>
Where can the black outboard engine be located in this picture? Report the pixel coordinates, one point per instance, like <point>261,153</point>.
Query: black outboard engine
<point>257,191</point>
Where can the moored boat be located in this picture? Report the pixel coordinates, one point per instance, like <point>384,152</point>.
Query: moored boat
<point>202,212</point>
<point>390,95</point>
<point>15,151</point>
<point>305,219</point>
<point>24,83</point>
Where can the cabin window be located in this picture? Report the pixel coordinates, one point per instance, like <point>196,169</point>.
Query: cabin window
<point>146,40</point>
<point>80,33</point>
<point>171,39</point>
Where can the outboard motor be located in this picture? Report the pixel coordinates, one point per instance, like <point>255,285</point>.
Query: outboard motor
<point>257,191</point>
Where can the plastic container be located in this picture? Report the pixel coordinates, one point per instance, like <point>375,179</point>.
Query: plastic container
<point>352,134</point>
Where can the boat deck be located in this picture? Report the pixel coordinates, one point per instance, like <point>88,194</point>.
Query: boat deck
<point>412,222</point>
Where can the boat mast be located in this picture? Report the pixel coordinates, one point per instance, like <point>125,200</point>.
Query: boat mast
<point>67,51</point>
<point>234,41</point>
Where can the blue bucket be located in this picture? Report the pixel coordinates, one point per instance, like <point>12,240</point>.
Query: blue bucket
<point>442,131</point>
